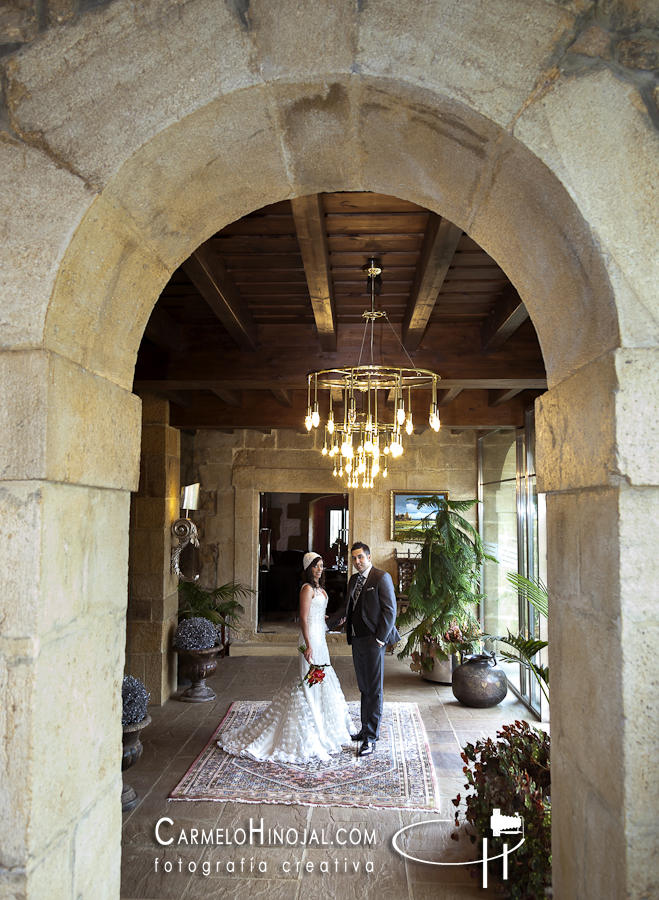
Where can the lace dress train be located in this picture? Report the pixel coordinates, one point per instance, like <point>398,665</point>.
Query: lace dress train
<point>301,723</point>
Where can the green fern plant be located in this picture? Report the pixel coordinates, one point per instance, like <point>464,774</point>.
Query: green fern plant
<point>219,606</point>
<point>534,592</point>
<point>444,591</point>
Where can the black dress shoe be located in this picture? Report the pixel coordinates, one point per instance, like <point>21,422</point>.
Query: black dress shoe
<point>367,748</point>
<point>357,737</point>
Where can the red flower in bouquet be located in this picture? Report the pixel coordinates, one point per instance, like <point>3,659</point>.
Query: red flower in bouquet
<point>315,674</point>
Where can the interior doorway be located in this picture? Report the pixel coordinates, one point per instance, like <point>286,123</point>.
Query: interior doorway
<point>291,524</point>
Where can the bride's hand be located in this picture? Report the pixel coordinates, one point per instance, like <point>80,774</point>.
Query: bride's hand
<point>308,655</point>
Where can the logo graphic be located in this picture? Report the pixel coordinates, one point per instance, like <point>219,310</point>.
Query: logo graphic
<point>505,824</point>
<point>500,825</point>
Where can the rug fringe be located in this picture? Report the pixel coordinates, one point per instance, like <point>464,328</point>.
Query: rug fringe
<point>422,809</point>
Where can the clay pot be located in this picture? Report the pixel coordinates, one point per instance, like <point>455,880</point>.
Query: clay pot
<point>480,682</point>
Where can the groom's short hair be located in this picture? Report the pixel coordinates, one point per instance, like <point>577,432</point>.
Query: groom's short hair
<point>361,546</point>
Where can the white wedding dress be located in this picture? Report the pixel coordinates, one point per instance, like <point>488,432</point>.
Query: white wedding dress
<point>301,723</point>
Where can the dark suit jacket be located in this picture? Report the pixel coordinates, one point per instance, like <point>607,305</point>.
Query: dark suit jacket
<point>378,606</point>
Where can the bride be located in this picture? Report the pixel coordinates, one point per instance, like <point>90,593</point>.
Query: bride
<point>302,722</point>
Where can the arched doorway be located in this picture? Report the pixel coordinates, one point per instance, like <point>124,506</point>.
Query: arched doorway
<point>127,208</point>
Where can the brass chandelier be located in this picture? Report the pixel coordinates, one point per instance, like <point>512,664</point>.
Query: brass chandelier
<point>363,443</point>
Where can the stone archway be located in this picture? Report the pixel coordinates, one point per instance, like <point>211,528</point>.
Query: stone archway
<point>102,216</point>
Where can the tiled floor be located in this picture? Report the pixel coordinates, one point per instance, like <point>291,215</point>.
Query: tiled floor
<point>180,731</point>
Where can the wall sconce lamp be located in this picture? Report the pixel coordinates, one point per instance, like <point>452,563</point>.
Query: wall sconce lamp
<point>184,529</point>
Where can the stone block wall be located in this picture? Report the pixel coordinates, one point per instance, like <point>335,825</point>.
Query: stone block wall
<point>234,468</point>
<point>153,596</point>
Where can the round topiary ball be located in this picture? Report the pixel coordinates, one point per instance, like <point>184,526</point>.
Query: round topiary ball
<point>195,634</point>
<point>134,698</point>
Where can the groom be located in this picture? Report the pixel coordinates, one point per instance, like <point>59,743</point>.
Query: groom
<point>370,626</point>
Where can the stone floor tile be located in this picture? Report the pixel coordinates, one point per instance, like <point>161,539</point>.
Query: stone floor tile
<point>274,815</point>
<point>443,891</point>
<point>202,888</point>
<point>140,879</point>
<point>348,877</point>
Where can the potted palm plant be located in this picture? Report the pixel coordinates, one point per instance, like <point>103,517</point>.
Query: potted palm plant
<point>219,606</point>
<point>440,619</point>
<point>527,648</point>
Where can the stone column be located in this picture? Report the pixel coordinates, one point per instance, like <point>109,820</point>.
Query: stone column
<point>65,478</point>
<point>598,458</point>
<point>153,603</point>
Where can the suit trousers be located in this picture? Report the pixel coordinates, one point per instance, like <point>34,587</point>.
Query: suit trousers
<point>368,658</point>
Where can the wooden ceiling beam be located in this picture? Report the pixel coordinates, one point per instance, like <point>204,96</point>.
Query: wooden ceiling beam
<point>285,355</point>
<point>238,384</point>
<point>163,331</point>
<point>230,396</point>
<point>437,251</point>
<point>283,396</point>
<point>505,318</point>
<point>447,396</point>
<point>499,397</point>
<point>207,271</point>
<point>259,411</point>
<point>178,398</point>
<point>309,216</point>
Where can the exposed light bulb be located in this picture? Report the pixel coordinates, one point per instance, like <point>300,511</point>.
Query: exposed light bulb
<point>384,473</point>
<point>368,445</point>
<point>334,473</point>
<point>409,427</point>
<point>352,411</point>
<point>315,416</point>
<point>376,467</point>
<point>348,467</point>
<point>308,423</point>
<point>324,450</point>
<point>330,423</point>
<point>346,448</point>
<point>400,414</point>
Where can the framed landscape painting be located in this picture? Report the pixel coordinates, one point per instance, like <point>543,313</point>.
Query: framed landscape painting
<point>404,512</point>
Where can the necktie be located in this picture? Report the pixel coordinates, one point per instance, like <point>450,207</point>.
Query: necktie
<point>358,589</point>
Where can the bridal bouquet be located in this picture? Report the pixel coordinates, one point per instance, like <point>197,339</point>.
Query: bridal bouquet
<point>315,674</point>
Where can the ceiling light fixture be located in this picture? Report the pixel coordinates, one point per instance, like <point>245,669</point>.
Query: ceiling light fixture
<point>362,444</point>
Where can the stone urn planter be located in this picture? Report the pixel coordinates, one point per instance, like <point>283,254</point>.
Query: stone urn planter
<point>195,642</point>
<point>198,665</point>
<point>480,682</point>
<point>131,755</point>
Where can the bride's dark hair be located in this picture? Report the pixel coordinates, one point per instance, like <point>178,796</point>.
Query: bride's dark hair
<point>307,575</point>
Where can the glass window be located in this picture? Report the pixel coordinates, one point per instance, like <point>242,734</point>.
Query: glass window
<point>338,526</point>
<point>514,534</point>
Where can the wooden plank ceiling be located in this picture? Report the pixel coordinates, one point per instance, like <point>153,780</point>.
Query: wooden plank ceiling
<point>282,291</point>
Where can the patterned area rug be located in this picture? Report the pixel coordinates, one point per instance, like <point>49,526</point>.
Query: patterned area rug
<point>398,775</point>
